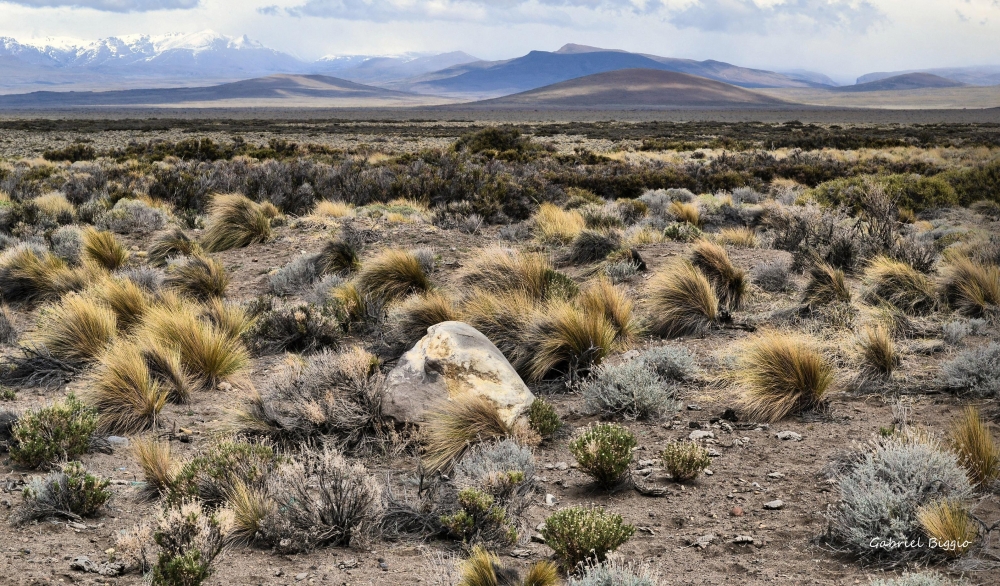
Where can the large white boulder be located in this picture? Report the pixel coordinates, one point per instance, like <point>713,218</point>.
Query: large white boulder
<point>451,360</point>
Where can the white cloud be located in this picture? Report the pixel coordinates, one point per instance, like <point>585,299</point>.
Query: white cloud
<point>505,11</point>
<point>111,5</point>
<point>749,16</point>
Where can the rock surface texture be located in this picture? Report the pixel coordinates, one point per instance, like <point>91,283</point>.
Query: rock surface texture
<point>452,360</point>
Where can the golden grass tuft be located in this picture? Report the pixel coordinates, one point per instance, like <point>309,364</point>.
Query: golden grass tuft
<point>419,312</point>
<point>30,275</point>
<point>250,505</point>
<point>393,275</point>
<point>681,301</point>
<point>741,237</point>
<point>127,398</point>
<point>781,374</point>
<point>730,283</point>
<point>128,300</point>
<point>686,212</point>
<point>949,522</point>
<point>877,353</point>
<point>165,366</point>
<point>543,573</point>
<point>206,352</point>
<point>103,249</point>
<point>229,318</point>
<point>613,302</point>
<point>556,225</point>
<point>170,244</point>
<point>333,209</point>
<point>501,271</point>
<point>826,285</point>
<point>562,337</point>
<point>971,288</point>
<point>456,426</point>
<point>337,257</point>
<point>500,316</point>
<point>199,276</point>
<point>76,330</point>
<point>234,221</point>
<point>976,450</point>
<point>898,284</point>
<point>54,205</point>
<point>158,466</point>
<point>483,568</point>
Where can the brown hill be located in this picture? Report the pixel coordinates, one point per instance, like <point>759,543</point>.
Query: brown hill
<point>635,88</point>
<point>907,81</point>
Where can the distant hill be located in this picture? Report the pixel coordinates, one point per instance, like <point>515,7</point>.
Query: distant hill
<point>486,79</point>
<point>981,75</point>
<point>271,91</point>
<point>634,88</point>
<point>907,81</point>
<point>387,69</point>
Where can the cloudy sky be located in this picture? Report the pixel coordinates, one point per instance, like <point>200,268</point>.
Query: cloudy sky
<point>843,38</point>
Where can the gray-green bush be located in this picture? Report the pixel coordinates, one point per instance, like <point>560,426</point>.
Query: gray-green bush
<point>975,371</point>
<point>631,390</point>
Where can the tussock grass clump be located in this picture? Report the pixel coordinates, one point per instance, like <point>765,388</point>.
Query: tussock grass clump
<point>170,244</point>
<point>125,298</point>
<point>826,285</point>
<point>971,288</point>
<point>730,283</point>
<point>604,298</point>
<point>199,276</point>
<point>55,206</point>
<point>686,212</point>
<point>103,249</point>
<point>501,271</point>
<point>781,374</point>
<point>164,363</point>
<point>565,339</point>
<point>333,209</point>
<point>31,274</point>
<point>741,237</point>
<point>877,353</point>
<point>681,302</point>
<point>976,450</point>
<point>127,397</point>
<point>206,352</point>
<point>898,284</point>
<point>231,319</point>
<point>556,225</point>
<point>501,317</point>
<point>604,452</point>
<point>578,534</point>
<point>950,523</point>
<point>77,329</point>
<point>685,460</point>
<point>483,568</point>
<point>234,221</point>
<point>591,246</point>
<point>159,468</point>
<point>337,257</point>
<point>61,431</point>
<point>71,493</point>
<point>8,327</point>
<point>459,424</point>
<point>411,318</point>
<point>393,275</point>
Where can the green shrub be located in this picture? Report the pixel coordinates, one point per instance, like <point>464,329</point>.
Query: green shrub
<point>912,192</point>
<point>59,431</point>
<point>189,540</point>
<point>542,417</point>
<point>213,475</point>
<point>478,515</point>
<point>604,451</point>
<point>69,493</point>
<point>684,460</point>
<point>976,183</point>
<point>577,534</point>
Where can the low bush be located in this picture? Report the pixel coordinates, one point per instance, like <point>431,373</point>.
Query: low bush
<point>730,283</point>
<point>103,249</point>
<point>479,519</point>
<point>781,374</point>
<point>672,363</point>
<point>234,222</point>
<point>631,390</point>
<point>67,244</point>
<point>557,226</point>
<point>299,328</point>
<point>681,301</point>
<point>188,540</point>
<point>685,460</point>
<point>167,245</point>
<point>826,285</point>
<point>133,216</point>
<point>773,276</point>
<point>201,277</point>
<point>294,276</point>
<point>976,450</point>
<point>604,452</point>
<point>613,574</point>
<point>216,471</point>
<point>393,275</point>
<point>61,431</point>
<point>898,284</point>
<point>620,271</point>
<point>921,579</point>
<point>975,371</point>
<point>971,288</point>
<point>77,329</point>
<point>955,331</point>
<point>71,493</point>
<point>578,534</point>
<point>543,418</point>
<point>881,490</point>
<point>682,232</point>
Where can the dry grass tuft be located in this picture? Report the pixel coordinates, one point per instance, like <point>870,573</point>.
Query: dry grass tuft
<point>500,271</point>
<point>976,450</point>
<point>899,285</point>
<point>741,237</point>
<point>483,568</point>
<point>613,302</point>
<point>54,205</point>
<point>31,275</point>
<point>103,249</point>
<point>951,524</point>
<point>501,317</point>
<point>333,209</point>
<point>971,288</point>
<point>393,275</point>
<point>158,466</point>
<point>563,338</point>
<point>556,225</point>
<point>206,352</point>
<point>128,300</point>
<point>337,257</point>
<point>127,397</point>
<point>826,285</point>
<point>781,374</point>
<point>199,276</point>
<point>877,353</point>
<point>76,330</point>
<point>681,302</point>
<point>459,424</point>
<point>165,366</point>
<point>412,318</point>
<point>250,505</point>
<point>229,319</point>
<point>730,283</point>
<point>170,244</point>
<point>234,221</point>
<point>686,212</point>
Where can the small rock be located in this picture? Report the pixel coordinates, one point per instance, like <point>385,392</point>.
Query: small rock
<point>562,466</point>
<point>645,463</point>
<point>550,500</point>
<point>300,577</point>
<point>788,435</point>
<point>700,434</point>
<point>703,541</point>
<point>540,527</point>
<point>726,427</point>
<point>693,407</point>
<point>775,475</point>
<point>743,540</point>
<point>775,505</point>
<point>520,553</point>
<point>118,441</point>
<point>224,386</point>
<point>736,512</point>
<point>630,355</point>
<point>384,566</point>
<point>708,472</point>
<point>537,538</point>
<point>279,572</point>
<point>713,453</point>
<point>82,563</point>
<point>694,425</point>
<point>75,525</point>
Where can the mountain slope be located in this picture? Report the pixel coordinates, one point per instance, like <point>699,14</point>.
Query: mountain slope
<point>271,91</point>
<point>387,69</point>
<point>634,88</point>
<point>908,81</point>
<point>982,75</point>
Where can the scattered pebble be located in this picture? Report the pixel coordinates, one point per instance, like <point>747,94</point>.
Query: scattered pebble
<point>775,505</point>
<point>700,434</point>
<point>736,512</point>
<point>788,435</point>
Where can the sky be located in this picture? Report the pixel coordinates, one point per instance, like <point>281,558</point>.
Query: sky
<point>842,38</point>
